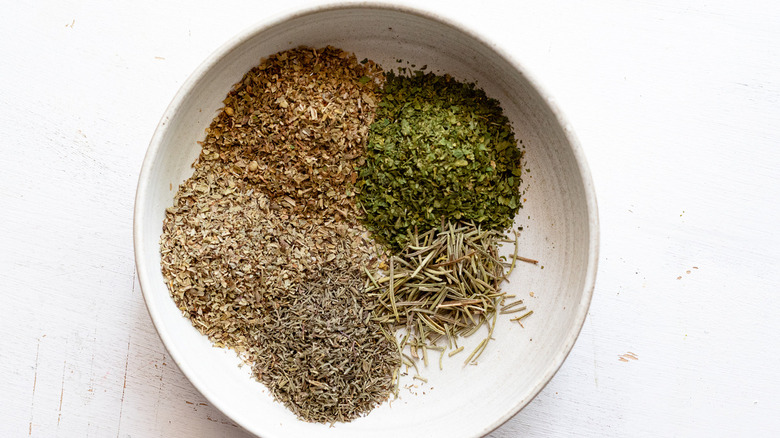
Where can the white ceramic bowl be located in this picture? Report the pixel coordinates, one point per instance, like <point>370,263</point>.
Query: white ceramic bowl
<point>559,219</point>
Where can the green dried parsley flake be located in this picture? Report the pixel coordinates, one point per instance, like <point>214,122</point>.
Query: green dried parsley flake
<point>437,148</point>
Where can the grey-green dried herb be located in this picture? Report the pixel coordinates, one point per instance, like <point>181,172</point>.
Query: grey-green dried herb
<point>262,249</point>
<point>320,353</point>
<point>438,148</point>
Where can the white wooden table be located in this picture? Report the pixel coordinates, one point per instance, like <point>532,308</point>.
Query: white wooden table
<point>676,103</point>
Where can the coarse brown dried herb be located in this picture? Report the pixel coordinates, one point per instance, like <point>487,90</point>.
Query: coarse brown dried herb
<point>262,250</point>
<point>296,126</point>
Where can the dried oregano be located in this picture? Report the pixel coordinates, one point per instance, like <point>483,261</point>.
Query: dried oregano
<point>262,249</point>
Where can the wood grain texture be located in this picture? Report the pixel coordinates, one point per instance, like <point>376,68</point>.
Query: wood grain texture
<point>676,103</point>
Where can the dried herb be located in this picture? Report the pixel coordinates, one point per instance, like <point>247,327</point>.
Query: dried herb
<point>320,353</point>
<point>438,148</point>
<point>262,249</point>
<point>296,126</point>
<point>445,283</point>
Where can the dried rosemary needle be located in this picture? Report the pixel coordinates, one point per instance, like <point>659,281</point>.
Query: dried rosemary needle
<point>445,283</point>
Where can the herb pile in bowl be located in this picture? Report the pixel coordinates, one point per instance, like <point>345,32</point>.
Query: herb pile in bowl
<point>341,223</point>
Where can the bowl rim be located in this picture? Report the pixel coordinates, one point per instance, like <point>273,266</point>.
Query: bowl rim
<point>261,26</point>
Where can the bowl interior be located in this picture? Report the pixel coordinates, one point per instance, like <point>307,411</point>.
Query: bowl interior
<point>559,220</point>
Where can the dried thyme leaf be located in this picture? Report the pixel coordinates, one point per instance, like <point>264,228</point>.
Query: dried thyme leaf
<point>320,355</point>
